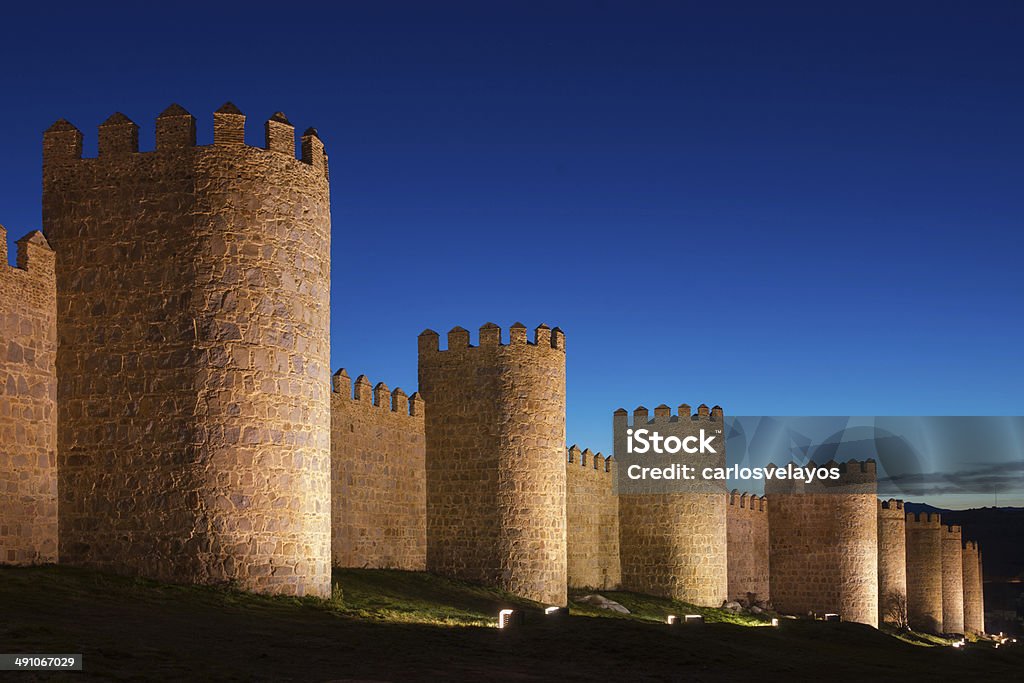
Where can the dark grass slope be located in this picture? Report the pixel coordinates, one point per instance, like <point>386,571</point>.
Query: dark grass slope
<point>401,626</point>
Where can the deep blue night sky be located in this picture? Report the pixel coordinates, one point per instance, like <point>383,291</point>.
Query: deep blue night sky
<point>783,208</point>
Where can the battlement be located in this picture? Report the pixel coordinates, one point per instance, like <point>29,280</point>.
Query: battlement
<point>953,531</point>
<point>379,396</point>
<point>924,520</point>
<point>747,547</point>
<point>855,477</point>
<point>33,253</point>
<point>663,414</point>
<point>588,460</point>
<point>971,546</point>
<point>851,467</point>
<point>378,476</point>
<point>592,515</point>
<point>748,501</point>
<point>891,504</point>
<point>118,137</point>
<point>490,336</point>
<point>858,467</point>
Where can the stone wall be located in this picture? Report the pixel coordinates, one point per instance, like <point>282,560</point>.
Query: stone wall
<point>378,477</point>
<point>592,517</point>
<point>748,547</point>
<point>981,589</point>
<point>495,430</point>
<point>892,561</point>
<point>674,544</point>
<point>824,544</point>
<point>28,410</point>
<point>193,305</point>
<point>924,572</point>
<point>952,580</point>
<point>974,615</point>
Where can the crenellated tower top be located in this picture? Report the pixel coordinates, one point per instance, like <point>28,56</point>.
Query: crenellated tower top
<point>924,520</point>
<point>118,137</point>
<point>490,337</point>
<point>663,415</point>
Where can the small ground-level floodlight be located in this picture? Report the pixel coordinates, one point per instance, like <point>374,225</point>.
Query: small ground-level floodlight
<point>508,618</point>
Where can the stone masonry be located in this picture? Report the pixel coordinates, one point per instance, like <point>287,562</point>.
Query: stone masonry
<point>952,580</point>
<point>165,411</point>
<point>496,482</point>
<point>674,544</point>
<point>924,572</point>
<point>193,303</point>
<point>28,409</point>
<point>748,547</point>
<point>378,477</point>
<point>824,544</point>
<point>592,515</point>
<point>974,610</point>
<point>981,585</point>
<point>892,561</point>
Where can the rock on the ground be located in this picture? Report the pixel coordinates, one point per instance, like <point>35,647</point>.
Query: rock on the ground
<point>602,602</point>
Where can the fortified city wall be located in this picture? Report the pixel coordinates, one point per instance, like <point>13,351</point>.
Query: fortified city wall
<point>824,543</point>
<point>924,572</point>
<point>28,409</point>
<point>193,287</point>
<point>496,480</point>
<point>592,516</point>
<point>748,547</point>
<point>892,561</point>
<point>674,544</point>
<point>378,476</point>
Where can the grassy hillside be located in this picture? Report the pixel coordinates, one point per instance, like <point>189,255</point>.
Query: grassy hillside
<point>389,625</point>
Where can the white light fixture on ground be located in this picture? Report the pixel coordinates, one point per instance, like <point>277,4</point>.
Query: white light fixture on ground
<point>508,618</point>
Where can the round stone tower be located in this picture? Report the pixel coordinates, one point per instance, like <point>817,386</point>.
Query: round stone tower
<point>673,534</point>
<point>892,561</point>
<point>974,621</point>
<point>495,431</point>
<point>823,543</point>
<point>924,572</point>
<point>193,303</point>
<point>952,580</point>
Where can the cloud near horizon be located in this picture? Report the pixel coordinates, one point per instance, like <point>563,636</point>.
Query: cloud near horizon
<point>1002,478</point>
